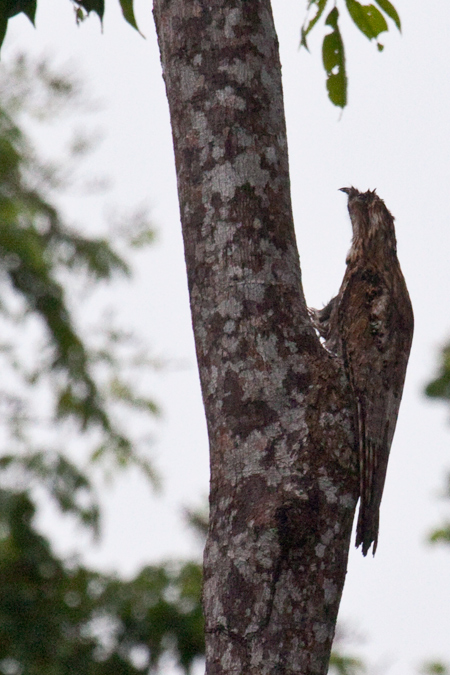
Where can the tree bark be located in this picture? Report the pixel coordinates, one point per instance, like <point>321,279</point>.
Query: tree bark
<point>284,480</point>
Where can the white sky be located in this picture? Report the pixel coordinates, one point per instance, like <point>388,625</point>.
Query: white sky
<point>393,136</point>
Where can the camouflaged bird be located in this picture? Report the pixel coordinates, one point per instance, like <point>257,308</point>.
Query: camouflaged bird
<point>369,324</point>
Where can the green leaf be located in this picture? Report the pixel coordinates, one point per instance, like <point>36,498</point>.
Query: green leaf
<point>390,10</point>
<point>440,535</point>
<point>308,25</point>
<point>440,386</point>
<point>367,18</point>
<point>97,6</point>
<point>28,7</point>
<point>79,15</point>
<point>345,665</point>
<point>10,8</point>
<point>3,27</point>
<point>334,62</point>
<point>29,10</point>
<point>128,13</point>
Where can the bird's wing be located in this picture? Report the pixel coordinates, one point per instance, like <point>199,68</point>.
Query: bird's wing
<point>375,336</point>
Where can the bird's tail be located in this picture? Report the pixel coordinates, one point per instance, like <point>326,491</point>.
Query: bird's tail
<point>367,527</point>
<point>369,504</point>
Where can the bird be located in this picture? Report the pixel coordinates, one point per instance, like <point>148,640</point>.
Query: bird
<point>369,325</point>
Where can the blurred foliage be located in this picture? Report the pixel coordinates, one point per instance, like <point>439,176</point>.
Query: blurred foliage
<point>61,619</point>
<point>58,371</point>
<point>341,662</point>
<point>434,668</point>
<point>345,665</point>
<point>198,520</point>
<point>441,534</point>
<point>439,388</point>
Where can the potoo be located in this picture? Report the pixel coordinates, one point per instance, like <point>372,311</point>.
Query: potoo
<point>369,324</point>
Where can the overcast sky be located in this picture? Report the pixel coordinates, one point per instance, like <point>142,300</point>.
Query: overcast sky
<point>394,136</point>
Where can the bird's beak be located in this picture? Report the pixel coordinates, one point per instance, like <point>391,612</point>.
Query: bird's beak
<point>346,190</point>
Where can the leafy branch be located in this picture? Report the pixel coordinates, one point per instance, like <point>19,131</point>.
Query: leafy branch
<point>367,18</point>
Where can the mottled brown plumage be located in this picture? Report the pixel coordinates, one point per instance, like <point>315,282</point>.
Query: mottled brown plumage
<point>369,324</point>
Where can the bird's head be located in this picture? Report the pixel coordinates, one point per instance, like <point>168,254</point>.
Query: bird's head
<point>372,223</point>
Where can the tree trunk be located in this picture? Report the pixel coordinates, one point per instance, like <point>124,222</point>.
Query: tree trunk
<point>284,477</point>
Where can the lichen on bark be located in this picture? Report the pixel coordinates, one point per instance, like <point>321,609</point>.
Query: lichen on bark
<point>283,475</point>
